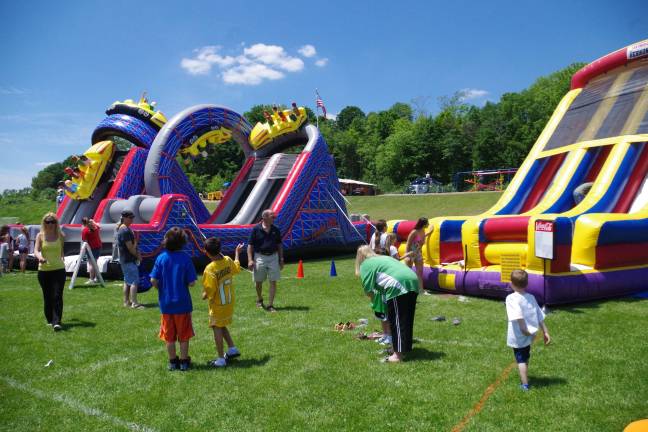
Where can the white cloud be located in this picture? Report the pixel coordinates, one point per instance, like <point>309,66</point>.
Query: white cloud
<point>250,74</point>
<point>321,62</point>
<point>273,55</point>
<point>205,58</point>
<point>470,93</point>
<point>254,65</point>
<point>307,51</point>
<point>12,91</point>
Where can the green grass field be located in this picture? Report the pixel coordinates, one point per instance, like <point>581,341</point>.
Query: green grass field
<point>412,207</point>
<point>297,373</point>
<point>378,207</point>
<point>26,210</point>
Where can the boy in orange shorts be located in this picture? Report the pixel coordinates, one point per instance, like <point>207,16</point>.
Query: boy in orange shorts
<point>219,291</point>
<point>172,275</point>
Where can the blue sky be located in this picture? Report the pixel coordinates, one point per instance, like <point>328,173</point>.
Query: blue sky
<point>64,63</point>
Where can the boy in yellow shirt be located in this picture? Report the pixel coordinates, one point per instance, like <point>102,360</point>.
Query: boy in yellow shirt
<point>219,291</point>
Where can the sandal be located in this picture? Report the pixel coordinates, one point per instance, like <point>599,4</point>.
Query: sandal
<point>271,309</point>
<point>259,304</point>
<point>137,306</point>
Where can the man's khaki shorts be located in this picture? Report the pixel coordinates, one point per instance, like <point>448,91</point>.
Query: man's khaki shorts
<point>266,267</point>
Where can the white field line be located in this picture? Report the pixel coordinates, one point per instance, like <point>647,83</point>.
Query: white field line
<point>94,366</point>
<point>77,406</point>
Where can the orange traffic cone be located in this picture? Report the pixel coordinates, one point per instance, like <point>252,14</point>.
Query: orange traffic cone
<point>300,270</point>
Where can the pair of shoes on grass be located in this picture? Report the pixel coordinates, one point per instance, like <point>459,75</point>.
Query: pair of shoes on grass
<point>341,326</point>
<point>260,305</point>
<point>180,364</point>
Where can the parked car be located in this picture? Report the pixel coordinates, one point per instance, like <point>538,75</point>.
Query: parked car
<point>423,185</point>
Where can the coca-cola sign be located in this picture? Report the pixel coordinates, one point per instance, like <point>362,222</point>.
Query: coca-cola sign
<point>544,226</point>
<point>544,241</point>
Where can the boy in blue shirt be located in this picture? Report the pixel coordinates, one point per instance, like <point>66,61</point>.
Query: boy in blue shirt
<point>172,275</point>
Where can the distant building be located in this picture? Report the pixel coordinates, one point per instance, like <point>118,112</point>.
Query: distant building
<point>355,187</point>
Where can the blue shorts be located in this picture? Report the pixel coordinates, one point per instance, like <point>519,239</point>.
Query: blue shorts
<point>96,253</point>
<point>522,354</point>
<point>131,273</point>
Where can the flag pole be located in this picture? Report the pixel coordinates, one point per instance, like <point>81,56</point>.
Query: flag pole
<point>316,109</point>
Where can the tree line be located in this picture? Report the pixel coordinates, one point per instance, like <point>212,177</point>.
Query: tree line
<point>393,146</point>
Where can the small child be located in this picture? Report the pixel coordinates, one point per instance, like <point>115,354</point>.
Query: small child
<point>219,291</point>
<point>390,246</point>
<point>379,307</point>
<point>172,275</point>
<point>524,319</point>
<point>378,238</point>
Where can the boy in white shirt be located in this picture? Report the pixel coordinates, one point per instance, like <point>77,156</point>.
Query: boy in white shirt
<point>524,319</point>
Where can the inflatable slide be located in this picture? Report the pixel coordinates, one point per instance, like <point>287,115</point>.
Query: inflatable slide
<point>590,246</point>
<point>143,174</point>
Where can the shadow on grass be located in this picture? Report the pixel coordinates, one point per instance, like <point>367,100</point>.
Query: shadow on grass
<point>68,325</point>
<point>546,381</point>
<point>238,363</point>
<point>292,308</point>
<point>420,354</point>
<point>580,308</point>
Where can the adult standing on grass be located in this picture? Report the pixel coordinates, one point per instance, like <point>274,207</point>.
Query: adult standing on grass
<point>129,257</point>
<point>91,235</point>
<point>265,257</point>
<point>48,250</point>
<point>397,286</point>
<point>23,247</point>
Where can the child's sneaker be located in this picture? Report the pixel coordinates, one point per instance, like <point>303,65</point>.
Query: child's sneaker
<point>524,387</point>
<point>174,364</point>
<point>231,353</point>
<point>218,363</point>
<point>185,364</point>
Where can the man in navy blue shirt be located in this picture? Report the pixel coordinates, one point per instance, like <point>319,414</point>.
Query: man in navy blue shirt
<point>265,257</point>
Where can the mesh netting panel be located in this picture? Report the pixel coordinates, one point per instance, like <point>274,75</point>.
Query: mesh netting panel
<point>613,104</point>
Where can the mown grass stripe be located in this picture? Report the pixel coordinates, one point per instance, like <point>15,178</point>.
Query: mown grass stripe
<point>77,406</point>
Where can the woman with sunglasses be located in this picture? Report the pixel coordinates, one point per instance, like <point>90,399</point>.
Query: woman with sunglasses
<point>51,268</point>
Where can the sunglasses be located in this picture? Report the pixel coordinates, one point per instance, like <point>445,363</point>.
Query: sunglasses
<point>50,221</point>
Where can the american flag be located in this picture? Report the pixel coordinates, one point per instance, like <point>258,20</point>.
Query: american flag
<point>320,103</point>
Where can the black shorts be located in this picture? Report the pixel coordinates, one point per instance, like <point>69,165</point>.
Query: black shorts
<point>522,354</point>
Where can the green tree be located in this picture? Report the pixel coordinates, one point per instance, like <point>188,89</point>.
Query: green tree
<point>51,175</point>
<point>347,116</point>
